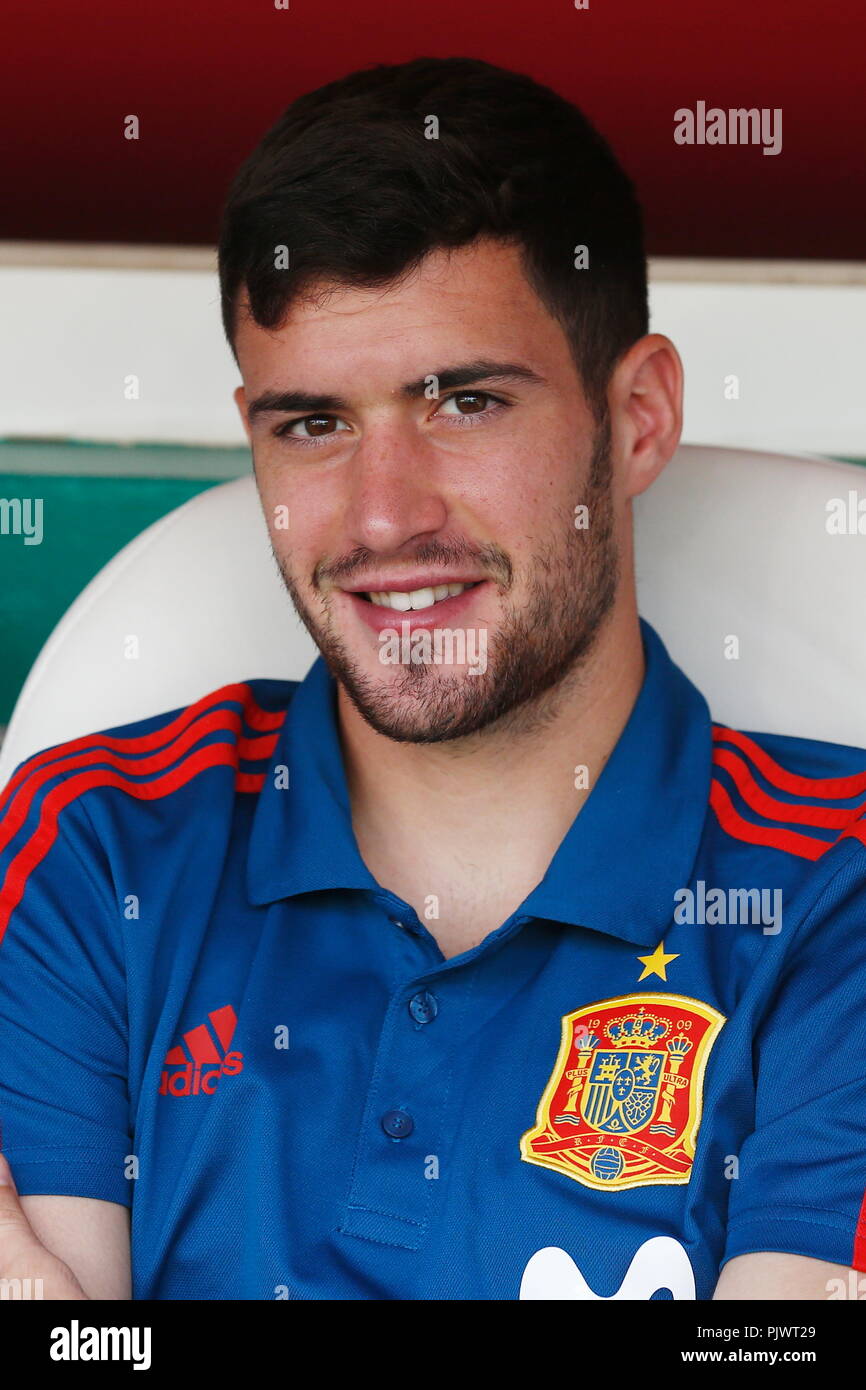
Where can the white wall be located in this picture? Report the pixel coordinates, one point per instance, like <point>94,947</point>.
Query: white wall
<point>76,321</point>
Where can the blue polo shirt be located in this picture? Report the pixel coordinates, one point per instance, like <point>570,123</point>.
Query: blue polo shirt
<point>211,1012</point>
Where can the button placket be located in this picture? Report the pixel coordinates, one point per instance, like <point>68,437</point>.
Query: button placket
<point>404,1118</point>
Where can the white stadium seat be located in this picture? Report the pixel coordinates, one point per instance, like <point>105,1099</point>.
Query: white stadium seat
<point>731,547</point>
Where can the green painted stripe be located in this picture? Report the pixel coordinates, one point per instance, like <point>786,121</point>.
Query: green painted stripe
<point>85,521</point>
<point>71,457</point>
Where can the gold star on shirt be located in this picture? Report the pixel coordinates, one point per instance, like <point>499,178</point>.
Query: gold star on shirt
<point>655,964</point>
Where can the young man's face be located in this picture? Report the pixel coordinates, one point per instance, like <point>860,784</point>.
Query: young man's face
<point>395,490</point>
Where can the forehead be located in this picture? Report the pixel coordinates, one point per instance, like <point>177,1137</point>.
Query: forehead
<point>467,302</point>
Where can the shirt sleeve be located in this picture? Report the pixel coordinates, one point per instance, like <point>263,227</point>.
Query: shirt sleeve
<point>802,1171</point>
<point>64,1104</point>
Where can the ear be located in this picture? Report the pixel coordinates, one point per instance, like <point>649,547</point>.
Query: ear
<point>239,396</point>
<point>646,402</point>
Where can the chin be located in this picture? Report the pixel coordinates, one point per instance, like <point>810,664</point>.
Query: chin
<point>423,705</point>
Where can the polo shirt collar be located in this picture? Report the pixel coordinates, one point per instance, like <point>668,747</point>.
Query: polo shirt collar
<point>633,844</point>
<point>302,838</point>
<point>636,838</point>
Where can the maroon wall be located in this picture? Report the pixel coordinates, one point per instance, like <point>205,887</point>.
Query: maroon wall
<point>206,79</point>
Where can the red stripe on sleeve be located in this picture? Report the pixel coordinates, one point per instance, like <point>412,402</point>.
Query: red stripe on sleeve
<point>263,721</point>
<point>54,801</point>
<point>859,1260</point>
<point>789,781</point>
<point>821,817</point>
<point>219,721</point>
<point>772,836</point>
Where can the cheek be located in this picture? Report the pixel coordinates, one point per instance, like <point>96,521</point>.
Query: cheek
<point>299,520</point>
<point>521,495</point>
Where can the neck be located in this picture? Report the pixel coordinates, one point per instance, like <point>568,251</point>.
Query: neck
<point>476,798</point>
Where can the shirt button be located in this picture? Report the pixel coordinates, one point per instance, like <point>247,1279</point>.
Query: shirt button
<point>424,1006</point>
<point>398,1124</point>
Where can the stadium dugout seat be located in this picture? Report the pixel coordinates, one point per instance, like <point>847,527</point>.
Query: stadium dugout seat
<point>750,566</point>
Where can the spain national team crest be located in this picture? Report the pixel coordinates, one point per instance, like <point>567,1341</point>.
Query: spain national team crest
<point>623,1104</point>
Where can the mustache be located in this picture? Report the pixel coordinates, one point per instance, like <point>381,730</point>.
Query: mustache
<point>492,559</point>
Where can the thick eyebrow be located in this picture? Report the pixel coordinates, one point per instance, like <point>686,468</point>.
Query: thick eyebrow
<point>471,374</point>
<point>448,379</point>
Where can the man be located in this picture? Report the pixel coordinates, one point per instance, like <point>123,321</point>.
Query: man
<point>480,964</point>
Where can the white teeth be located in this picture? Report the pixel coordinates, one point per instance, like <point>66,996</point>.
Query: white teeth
<point>422,598</point>
<point>417,598</point>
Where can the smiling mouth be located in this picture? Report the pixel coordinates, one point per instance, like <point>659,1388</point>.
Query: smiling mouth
<point>414,600</point>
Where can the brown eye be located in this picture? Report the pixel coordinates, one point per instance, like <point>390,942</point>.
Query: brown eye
<point>318,424</point>
<point>311,427</point>
<point>463,405</point>
<point>471,402</point>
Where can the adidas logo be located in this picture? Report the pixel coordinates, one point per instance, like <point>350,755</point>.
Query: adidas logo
<point>197,1066</point>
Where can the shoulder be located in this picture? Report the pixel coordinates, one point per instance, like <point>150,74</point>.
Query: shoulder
<point>790,826</point>
<point>801,797</point>
<point>145,763</point>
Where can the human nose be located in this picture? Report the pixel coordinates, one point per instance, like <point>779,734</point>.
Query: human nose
<point>396,493</point>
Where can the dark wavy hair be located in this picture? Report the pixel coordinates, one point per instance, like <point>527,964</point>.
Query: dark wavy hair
<point>348,181</point>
